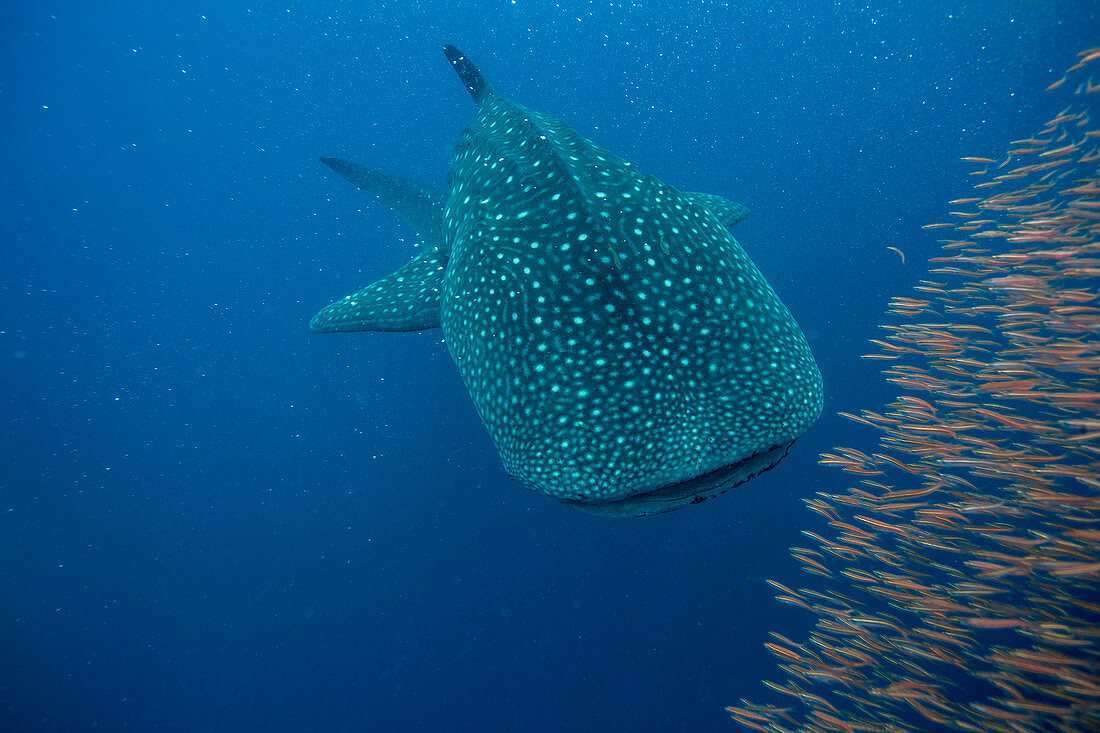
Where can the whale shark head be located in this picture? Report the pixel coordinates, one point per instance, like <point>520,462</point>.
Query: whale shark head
<point>623,351</point>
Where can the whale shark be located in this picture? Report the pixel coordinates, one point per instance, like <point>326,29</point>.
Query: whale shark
<point>623,351</point>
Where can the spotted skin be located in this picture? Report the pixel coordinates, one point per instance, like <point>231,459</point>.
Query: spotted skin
<point>623,351</point>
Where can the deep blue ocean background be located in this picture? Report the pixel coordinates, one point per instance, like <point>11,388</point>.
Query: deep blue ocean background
<point>211,520</point>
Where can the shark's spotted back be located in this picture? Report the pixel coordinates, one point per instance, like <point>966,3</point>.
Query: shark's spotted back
<point>622,349</point>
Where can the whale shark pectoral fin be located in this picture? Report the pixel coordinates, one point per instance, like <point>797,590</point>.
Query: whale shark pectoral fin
<point>407,300</point>
<point>728,212</point>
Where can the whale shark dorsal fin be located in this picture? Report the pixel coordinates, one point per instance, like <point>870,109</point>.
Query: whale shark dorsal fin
<point>418,204</point>
<point>726,211</point>
<point>470,75</point>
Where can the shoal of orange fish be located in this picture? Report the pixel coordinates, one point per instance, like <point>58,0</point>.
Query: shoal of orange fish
<point>980,513</point>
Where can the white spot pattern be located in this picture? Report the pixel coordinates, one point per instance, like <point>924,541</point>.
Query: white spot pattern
<point>638,371</point>
<point>617,341</point>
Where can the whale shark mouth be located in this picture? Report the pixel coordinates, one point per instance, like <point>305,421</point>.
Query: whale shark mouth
<point>692,491</point>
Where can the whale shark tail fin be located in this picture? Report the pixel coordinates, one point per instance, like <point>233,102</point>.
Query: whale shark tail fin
<point>468,72</point>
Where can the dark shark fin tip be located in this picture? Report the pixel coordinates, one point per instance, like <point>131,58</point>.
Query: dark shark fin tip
<point>470,75</point>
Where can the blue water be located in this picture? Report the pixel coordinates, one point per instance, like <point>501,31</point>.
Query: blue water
<point>212,521</point>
